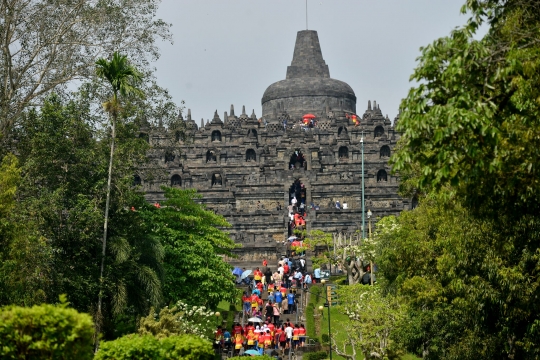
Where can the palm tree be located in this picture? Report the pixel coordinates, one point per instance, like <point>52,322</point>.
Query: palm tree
<point>123,79</point>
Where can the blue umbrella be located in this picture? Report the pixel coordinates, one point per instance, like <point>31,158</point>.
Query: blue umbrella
<point>252,352</point>
<point>237,271</point>
<point>245,274</point>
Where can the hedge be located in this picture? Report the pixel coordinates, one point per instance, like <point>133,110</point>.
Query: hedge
<point>45,332</point>
<point>318,355</point>
<point>182,347</point>
<point>310,312</point>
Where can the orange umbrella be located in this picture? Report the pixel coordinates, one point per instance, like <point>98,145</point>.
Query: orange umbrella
<point>309,116</point>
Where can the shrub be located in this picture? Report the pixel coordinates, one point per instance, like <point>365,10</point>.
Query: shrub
<point>325,339</point>
<point>130,347</point>
<point>183,347</point>
<point>311,308</point>
<point>186,347</point>
<point>318,355</point>
<point>179,320</point>
<point>45,332</point>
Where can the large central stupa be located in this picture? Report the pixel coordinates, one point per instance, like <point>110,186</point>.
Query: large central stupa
<point>308,86</point>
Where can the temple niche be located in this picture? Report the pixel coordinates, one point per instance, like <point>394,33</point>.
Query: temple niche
<point>248,167</point>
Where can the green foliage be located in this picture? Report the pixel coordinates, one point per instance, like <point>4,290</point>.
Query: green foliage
<point>318,355</point>
<point>45,332</point>
<point>373,318</point>
<point>469,283</point>
<point>311,309</point>
<point>59,212</point>
<point>179,320</point>
<point>467,260</point>
<point>476,110</point>
<point>194,243</point>
<point>9,180</point>
<point>148,347</point>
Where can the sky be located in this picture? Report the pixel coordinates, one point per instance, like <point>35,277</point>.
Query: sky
<point>229,51</point>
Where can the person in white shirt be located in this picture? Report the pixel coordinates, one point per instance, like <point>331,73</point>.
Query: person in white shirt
<point>345,206</point>
<point>280,270</point>
<point>289,331</point>
<point>294,201</point>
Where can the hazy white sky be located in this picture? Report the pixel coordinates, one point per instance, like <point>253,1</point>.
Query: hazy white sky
<point>229,51</point>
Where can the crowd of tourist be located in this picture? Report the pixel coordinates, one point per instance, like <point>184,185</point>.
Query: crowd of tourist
<point>266,338</point>
<point>271,296</point>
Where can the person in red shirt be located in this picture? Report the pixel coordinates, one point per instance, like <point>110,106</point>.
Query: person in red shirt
<point>296,336</point>
<point>254,303</point>
<point>302,335</point>
<point>246,301</point>
<point>237,329</point>
<point>260,286</point>
<point>285,269</point>
<point>265,263</point>
<point>257,275</point>
<point>267,338</point>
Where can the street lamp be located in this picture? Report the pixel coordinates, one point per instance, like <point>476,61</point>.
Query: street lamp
<point>217,317</point>
<point>363,190</point>
<point>369,213</point>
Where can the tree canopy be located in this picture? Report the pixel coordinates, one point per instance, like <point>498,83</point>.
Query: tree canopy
<point>466,260</point>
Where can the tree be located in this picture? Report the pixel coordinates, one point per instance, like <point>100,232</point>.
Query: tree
<point>372,320</point>
<point>347,251</point>
<point>60,202</point>
<point>475,112</point>
<point>469,283</point>
<point>194,244</point>
<point>49,44</point>
<point>467,260</point>
<point>123,79</point>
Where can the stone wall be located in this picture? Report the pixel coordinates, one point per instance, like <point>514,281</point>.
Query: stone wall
<point>247,191</point>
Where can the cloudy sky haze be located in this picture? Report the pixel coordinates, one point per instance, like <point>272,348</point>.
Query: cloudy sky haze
<point>229,51</point>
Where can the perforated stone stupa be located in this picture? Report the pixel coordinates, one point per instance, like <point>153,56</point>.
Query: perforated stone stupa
<point>242,166</point>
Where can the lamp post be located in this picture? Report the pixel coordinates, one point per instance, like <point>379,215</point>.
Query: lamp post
<point>363,212</point>
<point>369,213</point>
<point>217,318</point>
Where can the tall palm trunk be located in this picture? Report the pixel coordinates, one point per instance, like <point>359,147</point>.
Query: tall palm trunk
<point>99,317</point>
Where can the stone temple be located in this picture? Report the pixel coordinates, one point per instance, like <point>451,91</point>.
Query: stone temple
<point>245,167</point>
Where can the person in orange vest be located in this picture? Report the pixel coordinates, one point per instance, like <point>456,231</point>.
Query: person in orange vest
<point>254,303</point>
<point>251,338</point>
<point>238,343</point>
<point>267,338</point>
<point>257,275</point>
<point>302,335</point>
<point>260,342</point>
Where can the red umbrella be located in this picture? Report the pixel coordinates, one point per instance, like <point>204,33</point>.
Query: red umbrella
<point>309,116</point>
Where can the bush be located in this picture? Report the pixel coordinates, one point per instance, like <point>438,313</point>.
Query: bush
<point>318,355</point>
<point>183,347</point>
<point>325,339</point>
<point>45,332</point>
<point>311,308</point>
<point>130,347</point>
